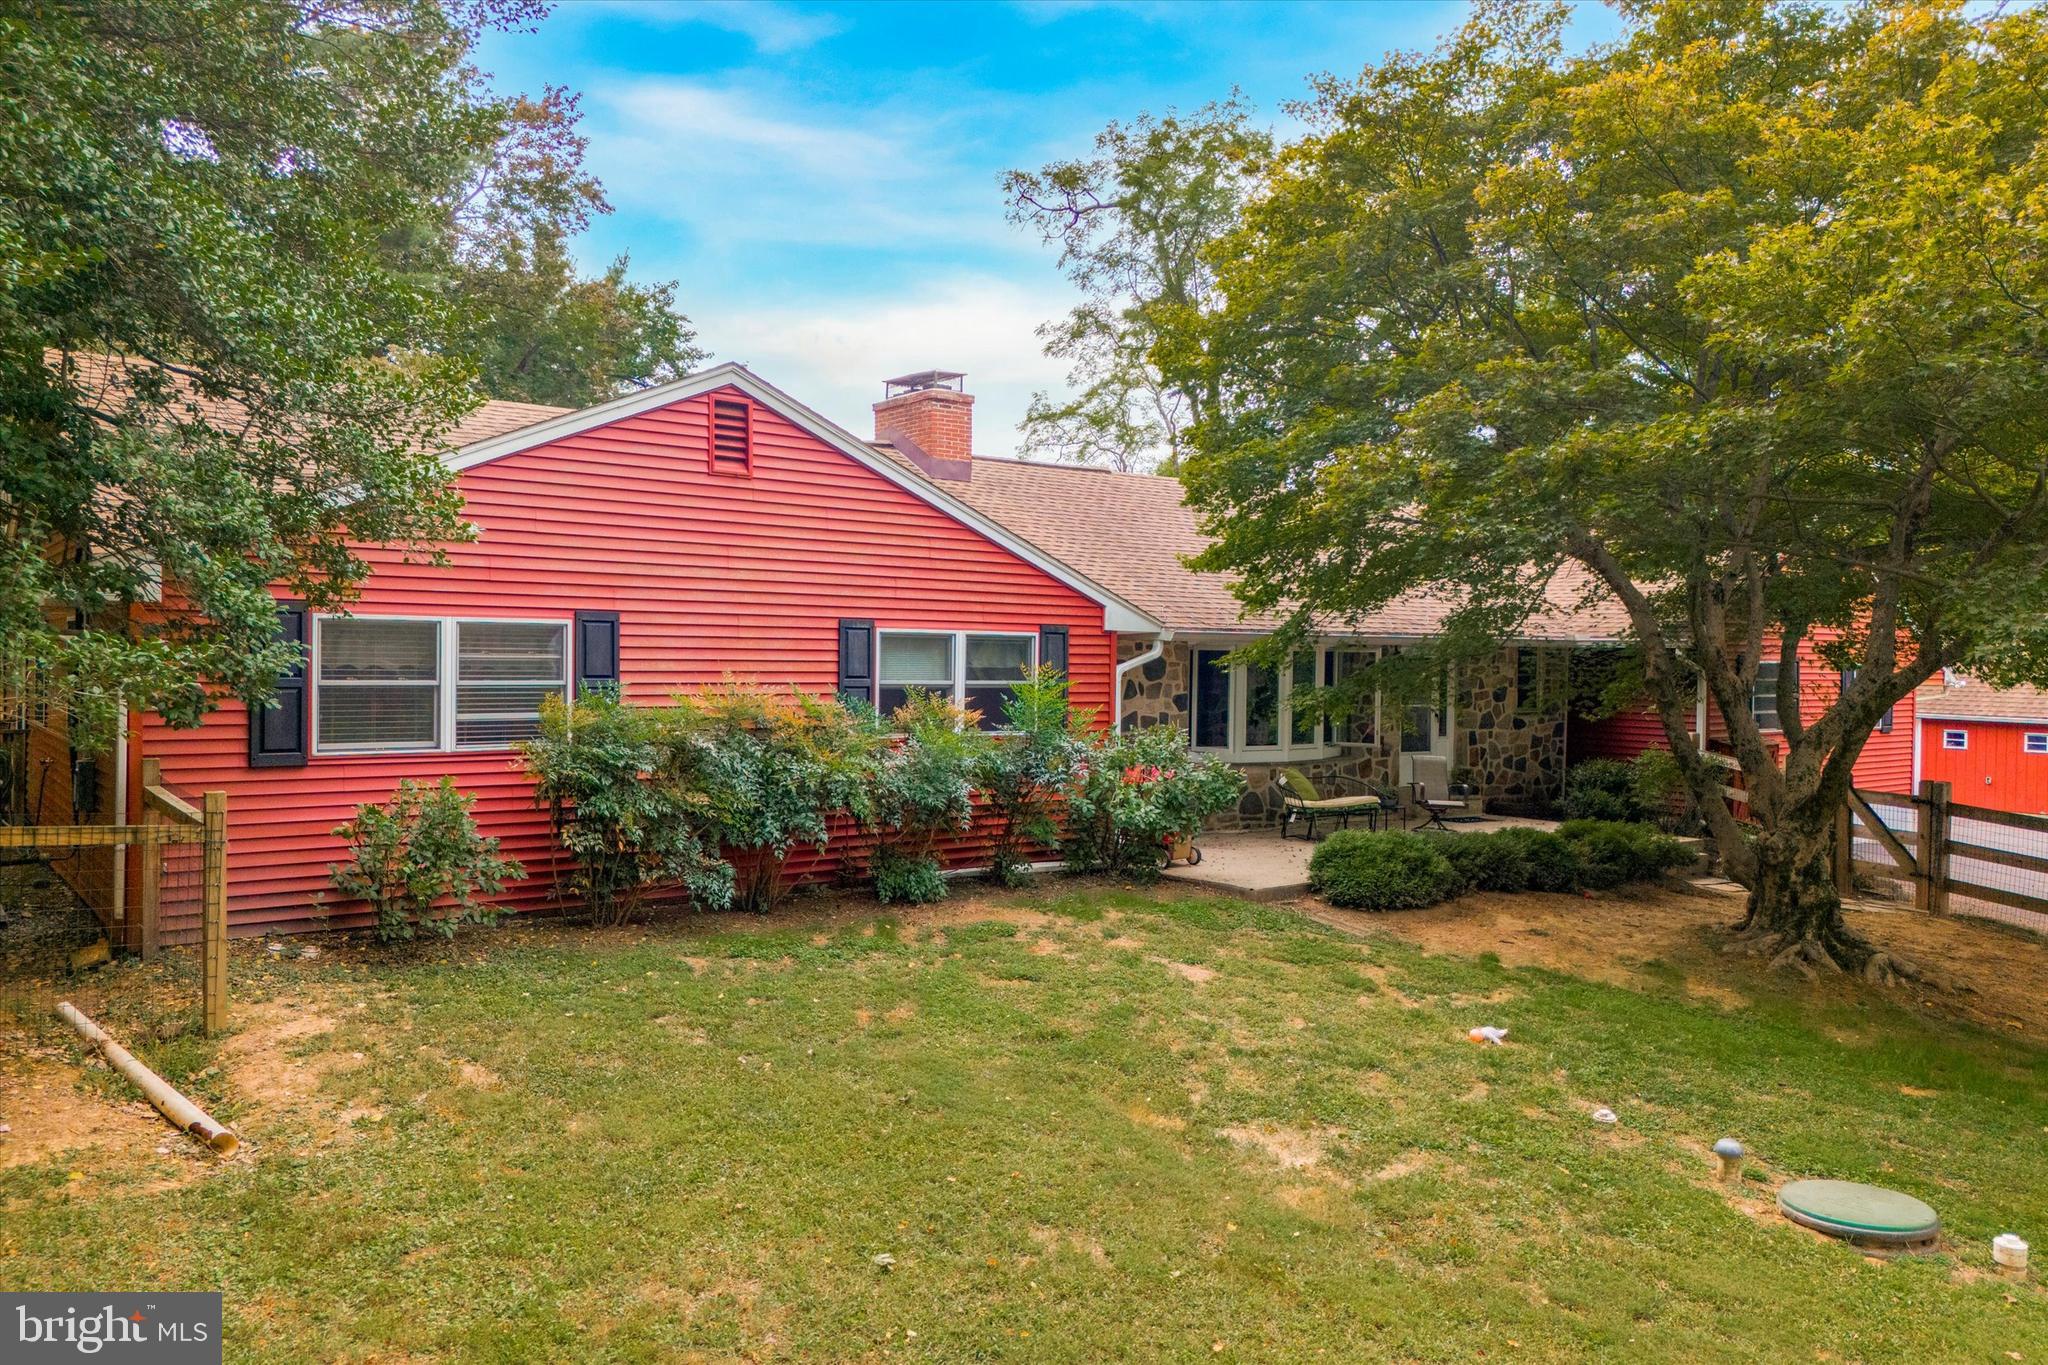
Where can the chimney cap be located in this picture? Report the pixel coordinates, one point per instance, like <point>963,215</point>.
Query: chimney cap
<point>924,379</point>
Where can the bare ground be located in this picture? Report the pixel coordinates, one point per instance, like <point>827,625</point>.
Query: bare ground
<point>1998,974</point>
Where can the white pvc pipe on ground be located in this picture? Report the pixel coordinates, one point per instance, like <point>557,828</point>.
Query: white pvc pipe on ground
<point>185,1115</point>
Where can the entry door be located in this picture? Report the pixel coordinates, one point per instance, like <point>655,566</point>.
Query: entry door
<point>1426,725</point>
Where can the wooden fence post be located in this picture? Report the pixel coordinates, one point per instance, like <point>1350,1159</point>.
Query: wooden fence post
<point>1845,852</point>
<point>215,919</point>
<point>150,873</point>
<point>1931,894</point>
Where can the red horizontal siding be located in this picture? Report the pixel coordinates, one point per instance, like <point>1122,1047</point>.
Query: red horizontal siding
<point>1995,771</point>
<point>1886,763</point>
<point>714,577</point>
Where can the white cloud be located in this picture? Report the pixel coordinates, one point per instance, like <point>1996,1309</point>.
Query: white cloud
<point>737,168</point>
<point>834,355</point>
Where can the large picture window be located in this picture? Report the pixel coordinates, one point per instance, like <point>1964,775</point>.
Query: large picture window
<point>1248,708</point>
<point>398,684</point>
<point>979,672</point>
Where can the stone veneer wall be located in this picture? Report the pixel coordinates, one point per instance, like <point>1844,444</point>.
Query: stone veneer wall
<point>1515,760</point>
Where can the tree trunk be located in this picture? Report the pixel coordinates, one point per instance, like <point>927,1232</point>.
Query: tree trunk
<point>1795,915</point>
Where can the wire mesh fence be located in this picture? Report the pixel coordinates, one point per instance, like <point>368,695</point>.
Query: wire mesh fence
<point>42,923</point>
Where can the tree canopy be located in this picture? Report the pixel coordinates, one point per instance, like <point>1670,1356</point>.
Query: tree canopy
<point>1743,314</point>
<point>291,225</point>
<point>1133,224</point>
<point>257,258</point>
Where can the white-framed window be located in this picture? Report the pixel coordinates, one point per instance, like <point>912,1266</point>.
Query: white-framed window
<point>974,669</point>
<point>1248,709</point>
<point>1955,739</point>
<point>1763,696</point>
<point>405,684</point>
<point>2035,741</point>
<point>1360,725</point>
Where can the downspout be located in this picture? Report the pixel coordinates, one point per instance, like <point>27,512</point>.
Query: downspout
<point>1125,669</point>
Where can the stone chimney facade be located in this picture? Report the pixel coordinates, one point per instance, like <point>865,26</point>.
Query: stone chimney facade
<point>929,416</point>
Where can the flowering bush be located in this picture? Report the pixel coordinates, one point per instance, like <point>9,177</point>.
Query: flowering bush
<point>1136,793</point>
<point>766,771</point>
<point>596,769</point>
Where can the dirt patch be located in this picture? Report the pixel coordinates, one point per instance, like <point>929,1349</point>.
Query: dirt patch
<point>1052,1240</point>
<point>1292,1149</point>
<point>279,1077</point>
<point>1188,971</point>
<point>48,1113</point>
<point>2002,972</point>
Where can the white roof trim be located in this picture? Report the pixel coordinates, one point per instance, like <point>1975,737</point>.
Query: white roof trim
<point>1984,720</point>
<point>1117,614</point>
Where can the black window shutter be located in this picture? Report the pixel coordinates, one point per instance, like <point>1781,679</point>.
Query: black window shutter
<point>277,733</point>
<point>1052,648</point>
<point>857,661</point>
<point>597,652</point>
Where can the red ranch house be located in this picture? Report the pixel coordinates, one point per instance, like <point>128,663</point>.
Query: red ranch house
<point>1989,744</point>
<point>709,528</point>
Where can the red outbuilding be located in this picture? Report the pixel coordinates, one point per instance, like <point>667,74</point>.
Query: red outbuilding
<point>1990,744</point>
<point>713,528</point>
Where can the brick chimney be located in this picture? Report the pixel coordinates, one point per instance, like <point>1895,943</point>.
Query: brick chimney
<point>929,416</point>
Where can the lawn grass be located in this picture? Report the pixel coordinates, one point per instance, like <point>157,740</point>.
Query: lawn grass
<point>660,1144</point>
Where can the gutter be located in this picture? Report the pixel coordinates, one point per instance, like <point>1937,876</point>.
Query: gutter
<point>1124,670</point>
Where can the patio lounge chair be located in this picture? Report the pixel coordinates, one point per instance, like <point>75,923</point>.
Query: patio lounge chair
<point>1432,787</point>
<point>1300,800</point>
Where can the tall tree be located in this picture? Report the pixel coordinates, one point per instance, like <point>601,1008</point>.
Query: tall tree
<point>207,193</point>
<point>1132,224</point>
<point>494,244</point>
<point>1742,317</point>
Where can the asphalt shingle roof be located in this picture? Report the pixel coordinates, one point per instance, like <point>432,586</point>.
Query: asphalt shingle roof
<point>1132,532</point>
<point>1968,699</point>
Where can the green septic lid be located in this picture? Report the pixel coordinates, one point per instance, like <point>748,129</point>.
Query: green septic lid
<point>1861,1213</point>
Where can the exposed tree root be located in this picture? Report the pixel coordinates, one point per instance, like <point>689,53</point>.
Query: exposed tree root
<point>1835,950</point>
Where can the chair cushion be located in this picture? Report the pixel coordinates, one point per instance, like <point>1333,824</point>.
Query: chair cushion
<point>1343,803</point>
<point>1298,786</point>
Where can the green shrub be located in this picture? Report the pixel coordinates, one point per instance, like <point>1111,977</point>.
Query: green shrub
<point>1602,789</point>
<point>1552,862</point>
<point>420,864</point>
<point>924,788</point>
<point>906,881</point>
<point>764,772</point>
<point>1135,791</point>
<point>1390,870</point>
<point>1484,862</point>
<point>1614,853</point>
<point>597,769</point>
<point>1025,772</point>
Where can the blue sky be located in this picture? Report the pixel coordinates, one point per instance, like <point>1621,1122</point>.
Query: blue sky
<point>822,180</point>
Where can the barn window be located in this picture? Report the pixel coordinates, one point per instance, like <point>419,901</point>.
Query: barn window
<point>2037,742</point>
<point>395,684</point>
<point>1884,722</point>
<point>1955,739</point>
<point>732,436</point>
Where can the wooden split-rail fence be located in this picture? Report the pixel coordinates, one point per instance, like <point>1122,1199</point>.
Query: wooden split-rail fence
<point>1957,858</point>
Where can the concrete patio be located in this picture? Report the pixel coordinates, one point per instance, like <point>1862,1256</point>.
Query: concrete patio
<point>1259,865</point>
